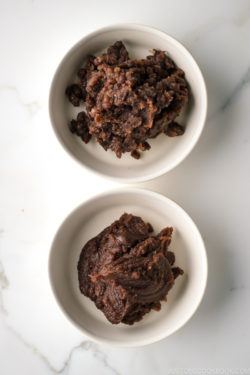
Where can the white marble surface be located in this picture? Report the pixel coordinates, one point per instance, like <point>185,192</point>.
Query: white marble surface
<point>40,184</point>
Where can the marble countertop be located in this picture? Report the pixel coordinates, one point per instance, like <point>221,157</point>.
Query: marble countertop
<point>40,184</point>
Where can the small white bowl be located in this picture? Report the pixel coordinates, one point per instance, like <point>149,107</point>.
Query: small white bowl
<point>85,222</point>
<point>165,152</point>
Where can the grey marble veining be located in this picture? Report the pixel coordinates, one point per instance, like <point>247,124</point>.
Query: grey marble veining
<point>212,185</point>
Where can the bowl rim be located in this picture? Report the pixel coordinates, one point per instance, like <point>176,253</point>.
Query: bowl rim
<point>202,87</point>
<point>142,342</point>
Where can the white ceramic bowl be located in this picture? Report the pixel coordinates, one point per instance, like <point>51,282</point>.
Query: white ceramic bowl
<point>165,152</point>
<point>88,220</point>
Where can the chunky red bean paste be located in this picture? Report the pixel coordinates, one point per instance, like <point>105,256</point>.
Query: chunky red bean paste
<point>128,101</point>
<point>127,272</point>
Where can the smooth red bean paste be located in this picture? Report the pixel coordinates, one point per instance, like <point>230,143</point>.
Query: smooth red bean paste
<point>128,101</point>
<point>127,272</point>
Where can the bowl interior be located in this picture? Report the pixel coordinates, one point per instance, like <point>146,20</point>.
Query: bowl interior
<point>165,152</point>
<point>87,221</point>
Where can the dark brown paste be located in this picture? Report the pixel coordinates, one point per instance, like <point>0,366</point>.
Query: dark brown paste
<point>128,101</point>
<point>127,272</point>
